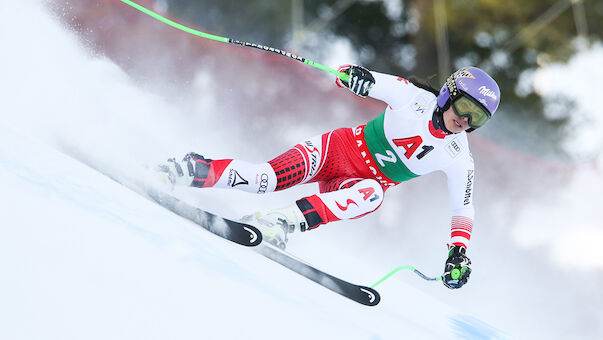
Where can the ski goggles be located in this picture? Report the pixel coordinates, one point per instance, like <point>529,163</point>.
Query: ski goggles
<point>465,106</point>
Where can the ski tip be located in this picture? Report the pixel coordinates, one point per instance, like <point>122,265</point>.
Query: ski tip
<point>371,298</point>
<point>255,235</point>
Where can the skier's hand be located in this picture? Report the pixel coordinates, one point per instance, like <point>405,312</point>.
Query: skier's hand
<point>361,79</point>
<point>457,269</point>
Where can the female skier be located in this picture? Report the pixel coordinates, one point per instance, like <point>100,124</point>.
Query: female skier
<point>420,131</point>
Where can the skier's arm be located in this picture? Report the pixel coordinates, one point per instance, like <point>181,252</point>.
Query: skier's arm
<point>460,189</point>
<point>460,186</point>
<point>393,90</point>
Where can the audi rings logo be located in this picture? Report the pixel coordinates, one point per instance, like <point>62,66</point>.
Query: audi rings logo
<point>263,184</point>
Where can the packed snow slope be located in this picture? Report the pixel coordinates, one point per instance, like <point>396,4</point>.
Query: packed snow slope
<point>83,257</point>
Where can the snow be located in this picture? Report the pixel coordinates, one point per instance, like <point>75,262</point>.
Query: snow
<point>85,258</point>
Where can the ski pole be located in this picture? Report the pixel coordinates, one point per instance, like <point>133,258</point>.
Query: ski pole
<point>411,268</point>
<point>341,75</point>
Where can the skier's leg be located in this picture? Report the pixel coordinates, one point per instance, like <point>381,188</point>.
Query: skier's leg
<point>356,199</point>
<point>198,171</point>
<point>298,165</point>
<point>345,191</point>
<point>320,158</point>
<point>330,160</point>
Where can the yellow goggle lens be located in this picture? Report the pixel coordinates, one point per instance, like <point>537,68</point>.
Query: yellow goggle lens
<point>465,107</point>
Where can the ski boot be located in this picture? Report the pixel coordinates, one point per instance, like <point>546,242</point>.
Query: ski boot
<point>191,171</point>
<point>275,225</point>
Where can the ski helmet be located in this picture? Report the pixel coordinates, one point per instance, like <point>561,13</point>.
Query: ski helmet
<point>472,93</point>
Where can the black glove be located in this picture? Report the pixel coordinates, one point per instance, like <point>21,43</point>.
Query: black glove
<point>361,80</point>
<point>457,269</point>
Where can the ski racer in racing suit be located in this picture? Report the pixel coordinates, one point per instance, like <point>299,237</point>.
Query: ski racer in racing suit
<point>420,131</point>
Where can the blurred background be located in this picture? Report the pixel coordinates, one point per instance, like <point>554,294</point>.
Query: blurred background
<point>431,39</point>
<point>536,247</point>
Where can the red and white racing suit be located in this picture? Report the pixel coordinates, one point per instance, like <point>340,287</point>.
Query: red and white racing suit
<point>354,166</point>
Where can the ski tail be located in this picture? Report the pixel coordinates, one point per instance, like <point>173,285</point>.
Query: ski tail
<point>241,233</point>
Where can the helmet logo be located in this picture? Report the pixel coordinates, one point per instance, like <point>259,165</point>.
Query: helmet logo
<point>463,74</point>
<point>450,83</point>
<point>487,92</point>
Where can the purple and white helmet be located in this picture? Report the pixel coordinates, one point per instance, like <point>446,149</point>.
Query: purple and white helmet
<point>473,82</point>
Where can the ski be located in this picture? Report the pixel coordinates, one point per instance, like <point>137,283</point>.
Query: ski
<point>247,235</point>
<point>361,294</point>
<point>241,233</point>
<point>234,231</point>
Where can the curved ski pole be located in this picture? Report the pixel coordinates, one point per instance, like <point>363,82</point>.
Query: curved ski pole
<point>343,76</point>
<point>413,269</point>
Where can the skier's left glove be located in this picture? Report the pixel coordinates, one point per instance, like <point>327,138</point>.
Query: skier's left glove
<point>457,269</point>
<point>361,79</point>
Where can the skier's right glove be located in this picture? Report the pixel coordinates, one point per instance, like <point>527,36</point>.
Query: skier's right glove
<point>361,79</point>
<point>457,269</point>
